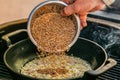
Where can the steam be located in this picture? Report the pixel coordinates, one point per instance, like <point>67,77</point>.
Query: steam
<point>107,37</point>
<point>113,38</point>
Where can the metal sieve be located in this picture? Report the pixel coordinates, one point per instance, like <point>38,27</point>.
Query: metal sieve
<point>47,7</point>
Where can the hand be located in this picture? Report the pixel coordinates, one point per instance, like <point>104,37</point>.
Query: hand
<point>82,7</point>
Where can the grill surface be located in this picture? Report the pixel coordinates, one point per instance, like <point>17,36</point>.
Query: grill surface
<point>112,74</point>
<point>4,73</point>
<point>107,37</point>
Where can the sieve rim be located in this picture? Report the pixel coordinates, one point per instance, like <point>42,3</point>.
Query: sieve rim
<point>43,4</point>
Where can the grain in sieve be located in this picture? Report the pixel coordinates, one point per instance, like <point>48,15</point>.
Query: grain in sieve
<point>51,6</point>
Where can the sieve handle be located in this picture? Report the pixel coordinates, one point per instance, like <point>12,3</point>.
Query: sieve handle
<point>7,39</point>
<point>110,64</point>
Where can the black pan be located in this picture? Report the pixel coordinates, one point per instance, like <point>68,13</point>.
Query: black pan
<point>23,51</point>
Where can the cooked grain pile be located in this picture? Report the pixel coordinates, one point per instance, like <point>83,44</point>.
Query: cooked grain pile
<point>53,32</point>
<point>56,67</point>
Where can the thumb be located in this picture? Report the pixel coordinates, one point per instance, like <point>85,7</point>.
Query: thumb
<point>75,7</point>
<point>68,10</point>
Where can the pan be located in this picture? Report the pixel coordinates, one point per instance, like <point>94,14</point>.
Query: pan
<point>23,51</point>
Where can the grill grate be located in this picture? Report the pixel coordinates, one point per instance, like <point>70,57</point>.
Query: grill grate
<point>112,74</point>
<point>4,73</point>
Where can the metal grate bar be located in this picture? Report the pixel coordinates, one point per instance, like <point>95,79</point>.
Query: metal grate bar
<point>112,73</point>
<point>117,60</point>
<point>3,69</point>
<point>117,68</point>
<point>107,77</point>
<point>4,73</point>
<point>101,78</point>
<point>5,76</point>
<point>116,57</point>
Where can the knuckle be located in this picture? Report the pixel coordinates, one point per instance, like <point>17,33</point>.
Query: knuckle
<point>76,8</point>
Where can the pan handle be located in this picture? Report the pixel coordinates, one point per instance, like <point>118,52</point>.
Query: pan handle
<point>110,64</point>
<point>6,36</point>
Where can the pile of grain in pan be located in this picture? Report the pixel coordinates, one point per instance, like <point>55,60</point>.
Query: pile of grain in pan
<point>56,67</point>
<point>53,32</point>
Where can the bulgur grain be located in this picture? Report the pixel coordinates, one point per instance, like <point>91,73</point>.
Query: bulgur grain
<point>56,67</point>
<point>53,32</point>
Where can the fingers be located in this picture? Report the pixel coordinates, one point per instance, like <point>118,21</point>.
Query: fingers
<point>83,17</point>
<point>76,7</point>
<point>99,7</point>
<point>67,1</point>
<point>82,7</point>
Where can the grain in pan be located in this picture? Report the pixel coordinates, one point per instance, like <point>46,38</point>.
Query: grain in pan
<point>56,67</point>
